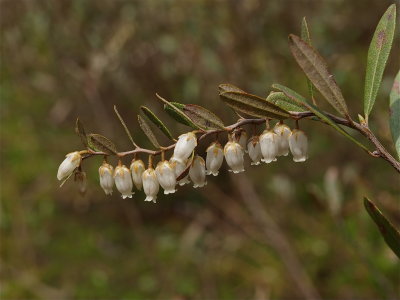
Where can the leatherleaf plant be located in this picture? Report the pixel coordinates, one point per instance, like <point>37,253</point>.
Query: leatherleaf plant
<point>275,131</point>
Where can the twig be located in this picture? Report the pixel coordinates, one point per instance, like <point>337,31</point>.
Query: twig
<point>379,152</point>
<point>364,130</point>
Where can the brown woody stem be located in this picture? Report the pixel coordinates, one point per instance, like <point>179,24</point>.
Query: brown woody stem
<point>379,152</point>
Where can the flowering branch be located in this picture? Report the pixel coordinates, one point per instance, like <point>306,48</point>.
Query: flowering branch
<point>379,152</point>
<point>275,140</point>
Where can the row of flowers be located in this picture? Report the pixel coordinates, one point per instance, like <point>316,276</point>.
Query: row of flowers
<point>264,148</point>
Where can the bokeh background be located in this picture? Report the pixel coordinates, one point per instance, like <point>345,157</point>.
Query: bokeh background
<point>278,231</point>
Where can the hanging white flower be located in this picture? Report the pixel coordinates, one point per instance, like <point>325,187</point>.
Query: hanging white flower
<point>123,181</point>
<point>166,177</point>
<point>106,178</point>
<point>254,150</point>
<point>137,168</point>
<point>283,132</point>
<point>150,185</point>
<point>269,146</point>
<point>214,158</point>
<point>69,164</point>
<point>298,144</point>
<point>179,166</point>
<point>234,156</point>
<point>185,146</point>
<point>197,172</point>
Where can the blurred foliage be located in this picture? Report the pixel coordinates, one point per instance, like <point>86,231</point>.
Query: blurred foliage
<point>63,59</point>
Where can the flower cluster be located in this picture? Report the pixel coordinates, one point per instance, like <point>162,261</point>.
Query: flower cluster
<point>185,166</point>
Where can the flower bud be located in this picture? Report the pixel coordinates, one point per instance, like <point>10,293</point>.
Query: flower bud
<point>234,157</point>
<point>254,150</point>
<point>150,185</point>
<point>179,166</point>
<point>185,145</point>
<point>166,177</point>
<point>298,144</point>
<point>269,146</point>
<point>70,163</point>
<point>214,158</point>
<point>197,172</point>
<point>123,181</point>
<point>106,178</point>
<point>283,132</point>
<point>137,169</point>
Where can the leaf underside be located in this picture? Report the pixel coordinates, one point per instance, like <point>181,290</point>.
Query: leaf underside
<point>148,132</point>
<point>378,54</point>
<point>388,231</point>
<point>253,105</point>
<point>315,67</point>
<point>227,87</point>
<point>203,117</point>
<point>99,142</point>
<point>305,36</point>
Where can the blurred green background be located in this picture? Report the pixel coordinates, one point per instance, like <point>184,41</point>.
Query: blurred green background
<point>278,231</point>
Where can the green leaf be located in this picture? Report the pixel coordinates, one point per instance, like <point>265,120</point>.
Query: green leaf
<point>101,143</point>
<point>80,130</point>
<point>378,54</point>
<point>227,87</point>
<point>314,66</point>
<point>311,107</point>
<point>253,105</point>
<point>203,117</point>
<point>148,132</point>
<point>305,36</point>
<point>388,231</point>
<point>172,113</point>
<point>174,109</point>
<point>394,113</point>
<point>284,102</point>
<point>156,121</point>
<point>128,133</point>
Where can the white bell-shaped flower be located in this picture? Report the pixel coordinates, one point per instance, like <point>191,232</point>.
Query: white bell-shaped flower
<point>234,156</point>
<point>269,146</point>
<point>254,150</point>
<point>137,168</point>
<point>166,177</point>
<point>179,166</point>
<point>123,181</point>
<point>150,185</point>
<point>214,158</point>
<point>197,172</point>
<point>185,146</point>
<point>243,140</point>
<point>69,164</point>
<point>298,144</point>
<point>106,178</point>
<point>283,132</point>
